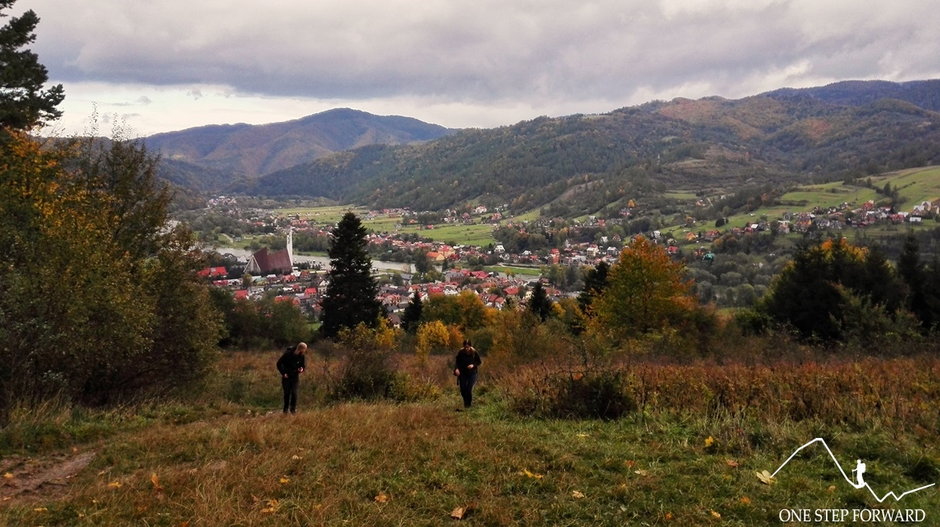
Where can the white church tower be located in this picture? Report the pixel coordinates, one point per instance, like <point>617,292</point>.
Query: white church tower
<point>290,245</point>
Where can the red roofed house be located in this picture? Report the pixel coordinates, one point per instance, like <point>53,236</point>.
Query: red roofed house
<point>290,299</point>
<point>212,272</point>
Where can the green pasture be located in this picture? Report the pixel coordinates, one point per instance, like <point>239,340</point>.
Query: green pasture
<point>479,235</point>
<point>322,215</point>
<point>827,195</point>
<point>382,224</point>
<point>531,215</point>
<point>680,194</point>
<point>509,269</point>
<point>914,185</point>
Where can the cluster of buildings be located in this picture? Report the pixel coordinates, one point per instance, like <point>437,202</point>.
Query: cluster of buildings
<point>276,270</point>
<point>305,288</point>
<point>832,218</point>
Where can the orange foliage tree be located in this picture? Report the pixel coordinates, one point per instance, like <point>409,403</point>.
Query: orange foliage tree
<point>646,292</point>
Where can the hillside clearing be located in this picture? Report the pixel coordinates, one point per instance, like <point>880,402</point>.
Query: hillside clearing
<point>222,463</point>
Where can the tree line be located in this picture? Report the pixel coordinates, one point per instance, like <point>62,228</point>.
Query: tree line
<point>98,295</point>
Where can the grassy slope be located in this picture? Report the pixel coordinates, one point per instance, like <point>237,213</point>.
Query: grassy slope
<point>915,185</point>
<point>229,461</point>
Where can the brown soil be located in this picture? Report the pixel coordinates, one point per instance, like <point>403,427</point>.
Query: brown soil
<point>24,479</point>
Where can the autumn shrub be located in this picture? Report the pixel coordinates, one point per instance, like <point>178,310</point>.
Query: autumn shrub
<point>410,388</point>
<point>365,374</point>
<point>838,391</point>
<point>367,369</point>
<point>518,338</point>
<point>465,310</point>
<point>834,389</point>
<point>435,337</point>
<point>134,320</point>
<point>550,392</point>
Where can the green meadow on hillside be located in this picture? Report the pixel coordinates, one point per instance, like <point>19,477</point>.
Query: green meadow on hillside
<point>229,457</point>
<point>914,186</point>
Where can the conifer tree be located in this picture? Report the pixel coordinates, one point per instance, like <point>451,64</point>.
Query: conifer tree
<point>595,281</point>
<point>822,290</point>
<point>350,295</point>
<point>24,103</point>
<point>539,303</point>
<point>922,298</point>
<point>412,315</point>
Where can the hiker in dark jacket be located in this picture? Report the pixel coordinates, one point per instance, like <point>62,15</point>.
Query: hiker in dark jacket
<point>467,364</point>
<point>291,364</point>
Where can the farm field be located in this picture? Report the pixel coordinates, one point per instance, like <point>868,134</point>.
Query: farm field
<point>475,234</point>
<point>517,270</point>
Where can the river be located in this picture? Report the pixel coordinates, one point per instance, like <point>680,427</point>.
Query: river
<point>324,261</point>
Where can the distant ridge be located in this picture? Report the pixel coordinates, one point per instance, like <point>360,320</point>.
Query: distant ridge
<point>581,164</point>
<point>249,151</point>
<point>897,497</point>
<point>925,94</point>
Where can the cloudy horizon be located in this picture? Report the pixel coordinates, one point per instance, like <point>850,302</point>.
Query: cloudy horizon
<point>170,65</point>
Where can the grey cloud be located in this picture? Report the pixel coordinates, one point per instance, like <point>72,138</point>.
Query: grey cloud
<point>486,50</point>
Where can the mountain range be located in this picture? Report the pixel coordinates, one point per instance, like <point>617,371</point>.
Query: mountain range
<point>249,151</point>
<point>578,163</point>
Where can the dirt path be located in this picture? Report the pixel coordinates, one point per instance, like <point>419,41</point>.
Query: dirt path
<point>24,479</point>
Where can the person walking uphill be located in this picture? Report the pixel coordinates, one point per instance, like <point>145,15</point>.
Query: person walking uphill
<point>291,365</point>
<point>467,364</point>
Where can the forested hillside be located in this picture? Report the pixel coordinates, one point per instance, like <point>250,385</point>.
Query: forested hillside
<point>583,163</point>
<point>857,93</point>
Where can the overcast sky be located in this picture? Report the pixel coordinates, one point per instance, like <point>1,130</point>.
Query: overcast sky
<point>164,65</point>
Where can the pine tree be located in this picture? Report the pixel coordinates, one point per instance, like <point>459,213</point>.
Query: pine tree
<point>539,303</point>
<point>23,102</point>
<point>595,281</point>
<point>830,287</point>
<point>350,298</point>
<point>916,276</point>
<point>412,315</point>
